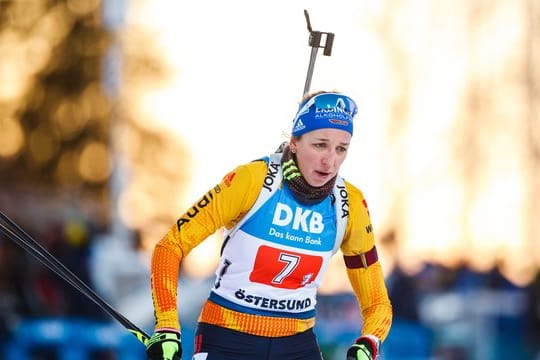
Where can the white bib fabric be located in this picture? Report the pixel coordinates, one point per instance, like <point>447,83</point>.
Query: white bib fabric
<point>274,259</point>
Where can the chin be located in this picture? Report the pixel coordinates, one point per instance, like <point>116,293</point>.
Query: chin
<point>317,183</point>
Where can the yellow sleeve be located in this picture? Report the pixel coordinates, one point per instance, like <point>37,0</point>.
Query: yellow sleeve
<point>368,284</point>
<point>223,205</point>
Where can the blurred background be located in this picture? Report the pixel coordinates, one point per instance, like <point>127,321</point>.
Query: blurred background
<point>116,115</point>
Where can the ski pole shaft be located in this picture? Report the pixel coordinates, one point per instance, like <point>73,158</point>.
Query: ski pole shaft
<point>16,234</point>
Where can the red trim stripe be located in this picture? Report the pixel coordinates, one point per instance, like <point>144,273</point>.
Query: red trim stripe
<point>362,260</point>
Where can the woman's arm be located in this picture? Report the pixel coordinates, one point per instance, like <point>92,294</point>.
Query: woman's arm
<point>223,205</point>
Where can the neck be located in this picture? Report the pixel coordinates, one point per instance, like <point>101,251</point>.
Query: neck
<point>301,190</point>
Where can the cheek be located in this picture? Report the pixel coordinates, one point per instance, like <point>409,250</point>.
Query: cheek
<point>306,161</point>
<point>312,159</point>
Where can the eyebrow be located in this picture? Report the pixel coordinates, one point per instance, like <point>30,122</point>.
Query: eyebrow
<point>328,140</point>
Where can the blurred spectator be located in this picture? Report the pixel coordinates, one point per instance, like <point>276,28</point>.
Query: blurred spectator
<point>403,294</point>
<point>532,317</point>
<point>38,290</point>
<point>12,301</point>
<point>73,250</point>
<point>465,278</point>
<point>401,286</point>
<point>43,289</point>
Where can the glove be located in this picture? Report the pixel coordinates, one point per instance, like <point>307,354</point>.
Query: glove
<point>364,348</point>
<point>164,345</point>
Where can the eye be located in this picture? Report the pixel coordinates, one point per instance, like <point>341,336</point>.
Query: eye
<point>320,145</point>
<point>341,149</point>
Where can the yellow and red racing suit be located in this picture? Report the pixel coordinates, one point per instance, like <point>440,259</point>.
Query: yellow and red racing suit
<point>270,268</point>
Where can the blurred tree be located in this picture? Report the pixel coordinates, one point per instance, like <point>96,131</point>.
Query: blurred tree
<point>55,50</point>
<point>532,129</point>
<point>61,130</point>
<point>63,107</point>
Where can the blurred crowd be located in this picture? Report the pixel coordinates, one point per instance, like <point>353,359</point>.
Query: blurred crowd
<point>29,289</point>
<point>439,312</point>
<point>469,314</point>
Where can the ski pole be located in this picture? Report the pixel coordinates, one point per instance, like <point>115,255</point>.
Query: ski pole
<point>315,38</point>
<point>15,233</point>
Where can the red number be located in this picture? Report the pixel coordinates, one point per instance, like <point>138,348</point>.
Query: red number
<point>284,269</point>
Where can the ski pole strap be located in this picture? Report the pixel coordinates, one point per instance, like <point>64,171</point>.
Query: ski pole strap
<point>362,260</point>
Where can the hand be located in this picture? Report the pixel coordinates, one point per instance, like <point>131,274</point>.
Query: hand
<point>365,348</point>
<point>164,345</point>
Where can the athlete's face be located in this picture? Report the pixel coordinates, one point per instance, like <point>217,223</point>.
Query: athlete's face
<point>320,153</point>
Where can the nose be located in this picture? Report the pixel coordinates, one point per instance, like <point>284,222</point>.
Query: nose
<point>328,158</point>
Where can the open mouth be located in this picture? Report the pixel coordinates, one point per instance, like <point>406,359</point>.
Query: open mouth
<point>322,173</point>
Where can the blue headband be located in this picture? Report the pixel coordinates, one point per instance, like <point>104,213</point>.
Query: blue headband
<point>323,111</point>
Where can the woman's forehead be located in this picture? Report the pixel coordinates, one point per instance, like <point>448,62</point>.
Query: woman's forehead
<point>330,135</point>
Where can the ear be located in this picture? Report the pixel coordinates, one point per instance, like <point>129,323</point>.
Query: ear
<point>293,145</point>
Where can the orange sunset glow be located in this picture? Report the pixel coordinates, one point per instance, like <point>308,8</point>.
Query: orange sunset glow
<point>446,140</point>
